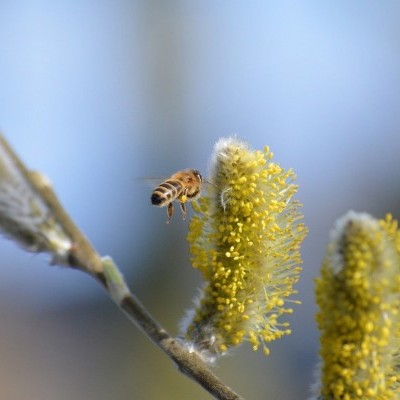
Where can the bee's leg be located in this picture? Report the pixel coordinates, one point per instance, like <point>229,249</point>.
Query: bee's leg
<point>183,208</point>
<point>170,211</point>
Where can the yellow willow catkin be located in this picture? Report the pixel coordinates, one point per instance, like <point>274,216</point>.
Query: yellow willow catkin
<point>245,240</point>
<point>358,295</point>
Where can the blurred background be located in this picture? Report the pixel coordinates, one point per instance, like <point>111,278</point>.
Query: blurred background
<point>99,94</point>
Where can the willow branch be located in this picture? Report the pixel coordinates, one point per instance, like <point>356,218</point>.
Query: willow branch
<point>188,363</point>
<point>31,214</point>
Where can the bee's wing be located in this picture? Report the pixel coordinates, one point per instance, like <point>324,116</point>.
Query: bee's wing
<point>151,182</point>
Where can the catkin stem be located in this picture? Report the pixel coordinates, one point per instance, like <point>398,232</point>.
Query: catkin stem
<point>188,363</point>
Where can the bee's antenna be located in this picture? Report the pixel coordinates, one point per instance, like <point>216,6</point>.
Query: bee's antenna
<point>210,183</point>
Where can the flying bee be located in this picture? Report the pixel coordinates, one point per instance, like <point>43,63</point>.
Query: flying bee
<point>182,186</point>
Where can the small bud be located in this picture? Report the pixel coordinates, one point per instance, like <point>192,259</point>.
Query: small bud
<point>25,216</point>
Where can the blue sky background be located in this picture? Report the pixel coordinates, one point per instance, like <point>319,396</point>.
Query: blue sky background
<point>98,95</point>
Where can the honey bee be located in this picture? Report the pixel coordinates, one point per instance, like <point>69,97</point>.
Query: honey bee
<point>182,186</point>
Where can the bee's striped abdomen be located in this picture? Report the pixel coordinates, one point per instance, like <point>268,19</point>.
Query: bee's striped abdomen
<point>166,192</point>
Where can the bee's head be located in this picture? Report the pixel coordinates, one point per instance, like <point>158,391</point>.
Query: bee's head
<point>198,175</point>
